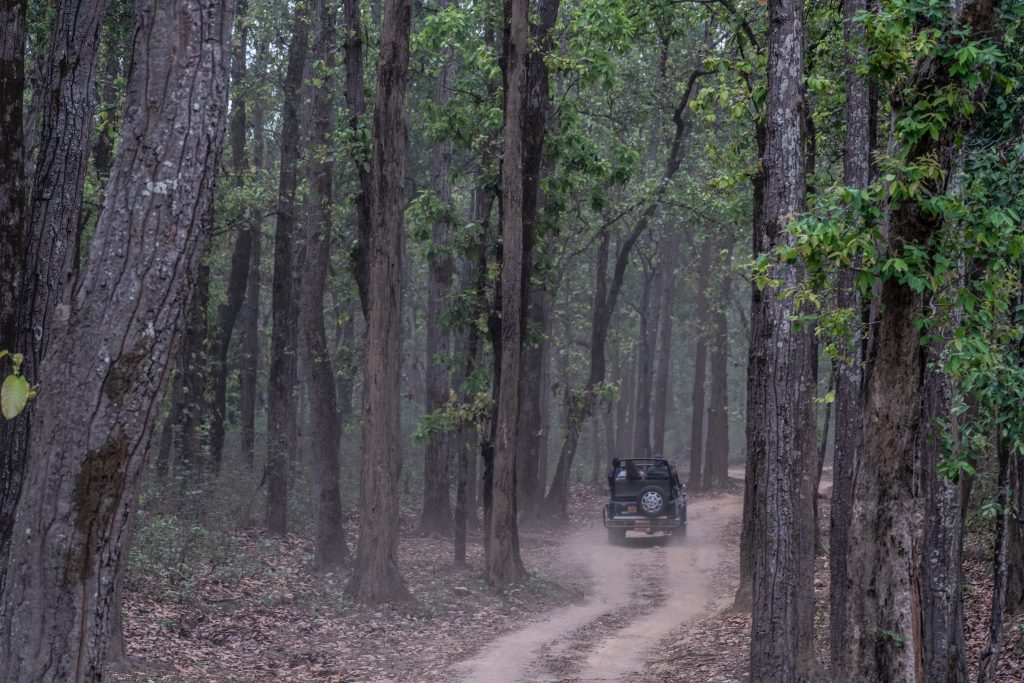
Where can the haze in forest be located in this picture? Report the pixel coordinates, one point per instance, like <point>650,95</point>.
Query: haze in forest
<point>526,340</point>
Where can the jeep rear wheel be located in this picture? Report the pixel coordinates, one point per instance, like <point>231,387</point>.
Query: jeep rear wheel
<point>652,501</point>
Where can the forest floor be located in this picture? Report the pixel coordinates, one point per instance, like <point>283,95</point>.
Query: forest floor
<point>649,611</point>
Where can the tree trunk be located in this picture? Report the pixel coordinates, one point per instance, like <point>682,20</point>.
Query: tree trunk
<point>111,364</point>
<point>189,464</point>
<point>849,380</point>
<point>649,321</point>
<point>12,241</point>
<point>355,98</point>
<point>436,516</point>
<point>227,312</point>
<point>941,583</point>
<point>535,296</point>
<point>716,447</point>
<point>281,404</point>
<point>329,547</point>
<point>993,646</point>
<point>375,577</point>
<point>249,374</point>
<point>664,371</point>
<point>504,565</point>
<point>880,635</point>
<point>757,378</point>
<point>36,257</point>
<point>700,364</point>
<point>782,643</point>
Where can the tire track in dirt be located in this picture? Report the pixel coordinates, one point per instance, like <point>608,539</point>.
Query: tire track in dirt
<point>640,594</point>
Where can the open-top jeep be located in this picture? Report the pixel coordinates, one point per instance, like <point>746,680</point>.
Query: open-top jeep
<point>646,496</point>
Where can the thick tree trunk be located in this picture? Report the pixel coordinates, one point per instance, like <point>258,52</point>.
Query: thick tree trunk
<point>12,241</point>
<point>281,404</point>
<point>535,296</point>
<point>41,236</point>
<point>504,565</point>
<point>329,546</point>
<point>227,312</point>
<point>436,516</point>
<point>880,641</point>
<point>110,363</point>
<point>355,98</point>
<point>941,583</point>
<point>664,371</point>
<point>700,364</point>
<point>375,577</point>
<point>993,646</point>
<point>856,173</point>
<point>782,643</point>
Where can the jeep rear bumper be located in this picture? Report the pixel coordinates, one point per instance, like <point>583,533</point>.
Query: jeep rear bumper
<point>615,517</point>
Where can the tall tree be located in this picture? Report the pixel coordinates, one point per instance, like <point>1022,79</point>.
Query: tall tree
<point>700,367</point>
<point>281,403</point>
<point>782,639</point>
<point>662,393</point>
<point>110,356</point>
<point>12,233</point>
<point>856,174</point>
<point>329,548</point>
<point>375,577</point>
<point>50,231</point>
<point>241,255</point>
<point>436,517</point>
<point>881,642</point>
<point>650,313</point>
<point>535,289</point>
<point>716,445</point>
<point>504,565</point>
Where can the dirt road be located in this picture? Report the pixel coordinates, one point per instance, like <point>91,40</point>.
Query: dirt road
<point>640,593</point>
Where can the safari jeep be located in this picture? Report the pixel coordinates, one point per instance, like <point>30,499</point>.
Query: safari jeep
<point>646,497</point>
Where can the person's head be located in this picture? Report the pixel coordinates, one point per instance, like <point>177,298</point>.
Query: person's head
<point>659,456</point>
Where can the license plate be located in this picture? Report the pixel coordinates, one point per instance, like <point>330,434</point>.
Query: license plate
<point>631,509</point>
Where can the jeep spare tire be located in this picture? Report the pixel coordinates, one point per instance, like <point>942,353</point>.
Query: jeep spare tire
<point>652,501</point>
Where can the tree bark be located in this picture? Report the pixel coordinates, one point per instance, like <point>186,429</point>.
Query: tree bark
<point>700,364</point>
<point>504,565</point>
<point>42,262</point>
<point>535,296</point>
<point>944,656</point>
<point>12,239</point>
<point>355,98</point>
<point>880,639</point>
<point>330,549</point>
<point>375,577</point>
<point>436,516</point>
<point>849,380</point>
<point>993,646</point>
<point>782,643</point>
<point>281,404</point>
<point>227,312</point>
<point>110,353</point>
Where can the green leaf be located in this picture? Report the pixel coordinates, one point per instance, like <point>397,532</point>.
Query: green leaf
<point>14,395</point>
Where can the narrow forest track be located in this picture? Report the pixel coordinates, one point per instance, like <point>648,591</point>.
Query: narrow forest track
<point>640,594</point>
